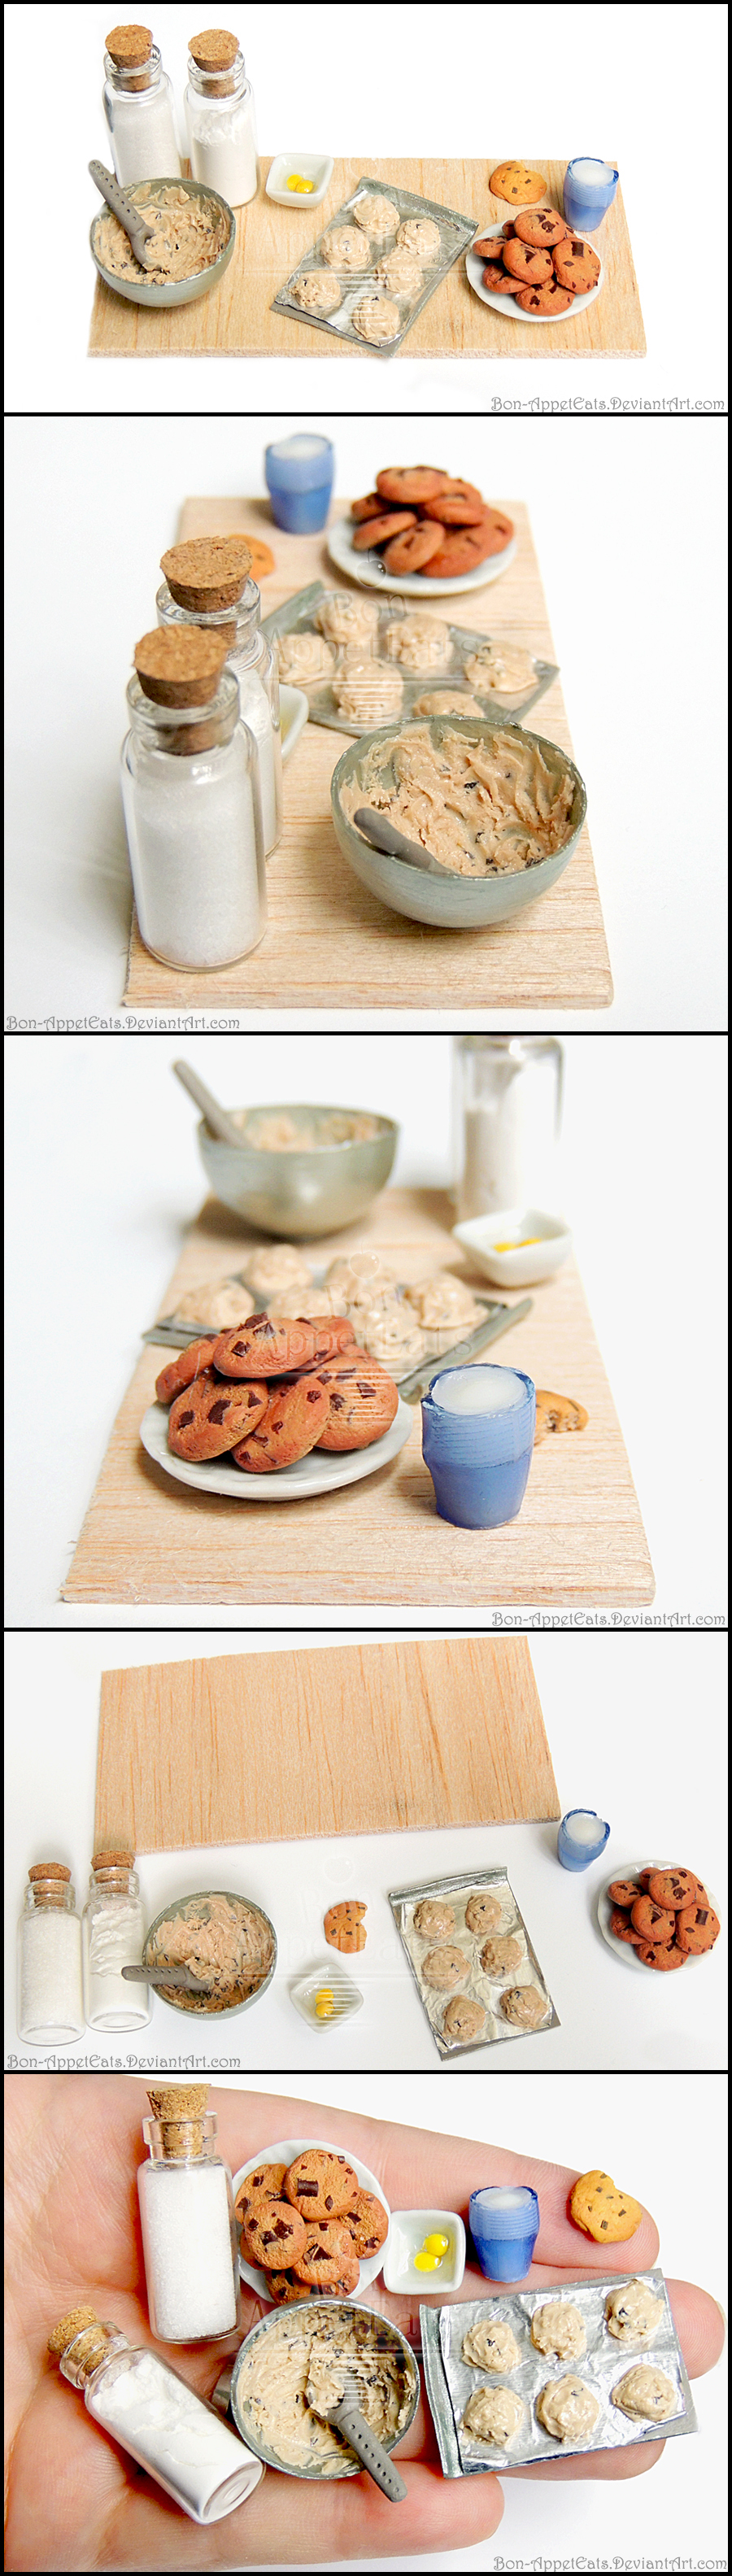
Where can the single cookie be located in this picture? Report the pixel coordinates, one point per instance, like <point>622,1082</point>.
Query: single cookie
<point>376,318</point>
<point>530,267</point>
<point>420,236</point>
<point>368,2224</point>
<point>347,248</point>
<point>557,1413</point>
<point>697,1927</point>
<point>363,1401</point>
<point>466,547</point>
<point>632,2313</point>
<point>498,1958</point>
<point>283,2287</point>
<point>411,483</point>
<point>490,245</point>
<point>653,1922</point>
<point>261,1348</point>
<point>344,1927</point>
<point>328,2254</point>
<point>497,278</point>
<point>519,186</point>
<point>321,2184</point>
<point>623,1928</point>
<point>464,2019</point>
<point>316,292</point>
<point>482,1913</point>
<point>623,1891</point>
<point>335,1334</point>
<point>212,1415</point>
<point>274,2235</point>
<point>672,1887</point>
<point>549,297</point>
<point>370,507</point>
<point>541,227</point>
<point>661,1954</point>
<point>576,265</point>
<point>603,2212</point>
<point>412,553</point>
<point>376,532</point>
<point>524,2007</point>
<point>377,216</point>
<point>289,1428</point>
<point>490,2344</point>
<point>433,1919</point>
<point>559,2328</point>
<point>568,2409</point>
<point>508,230</point>
<point>461,505</point>
<point>265,2183</point>
<point>647,2394</point>
<point>181,1371</point>
<point>445,1968</point>
<point>400,272</point>
<point>494,2415</point>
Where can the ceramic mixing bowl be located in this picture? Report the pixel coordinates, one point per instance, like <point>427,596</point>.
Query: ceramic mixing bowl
<point>306,1190</point>
<point>447,903</point>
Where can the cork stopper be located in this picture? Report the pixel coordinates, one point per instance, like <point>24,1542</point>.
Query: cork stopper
<point>129,47</point>
<point>214,51</point>
<point>180,666</point>
<point>181,2110</point>
<point>49,1869</point>
<point>207,572</point>
<point>113,1860</point>
<point>82,2328</point>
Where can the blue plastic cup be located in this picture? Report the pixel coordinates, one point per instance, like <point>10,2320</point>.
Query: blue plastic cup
<point>479,1456</point>
<point>298,472</point>
<point>581,1838</point>
<point>588,189</point>
<point>504,2225</point>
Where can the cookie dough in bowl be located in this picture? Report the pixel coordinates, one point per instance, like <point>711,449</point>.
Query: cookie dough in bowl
<point>311,2347</point>
<point>501,810</point>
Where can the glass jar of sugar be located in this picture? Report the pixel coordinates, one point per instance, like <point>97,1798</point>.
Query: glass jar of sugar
<point>189,2234</point>
<point>192,821</point>
<point>113,1934</point>
<point>507,1103</point>
<point>151,2412</point>
<point>250,655</point>
<point>50,1994</point>
<point>220,116</point>
<point>138,105</point>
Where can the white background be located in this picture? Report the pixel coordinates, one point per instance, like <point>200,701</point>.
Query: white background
<point>628,522</point>
<point>621,1714</point>
<point>638,85</point>
<point>674,2515</point>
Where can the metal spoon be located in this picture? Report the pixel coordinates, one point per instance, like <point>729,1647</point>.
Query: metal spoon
<point>135,224</point>
<point>216,1118</point>
<point>383,836</point>
<point>178,1977</point>
<point>347,2417</point>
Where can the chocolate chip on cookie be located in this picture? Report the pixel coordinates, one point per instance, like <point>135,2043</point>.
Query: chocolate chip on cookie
<point>321,2183</point>
<point>697,1927</point>
<point>212,1414</point>
<point>653,1922</point>
<point>368,2224</point>
<point>264,1347</point>
<point>274,2234</point>
<point>328,2253</point>
<point>291,1425</point>
<point>661,1954</point>
<point>623,1891</point>
<point>672,1887</point>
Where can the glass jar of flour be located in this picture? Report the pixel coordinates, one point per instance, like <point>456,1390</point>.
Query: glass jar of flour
<point>251,657</point>
<point>113,1936</point>
<point>138,105</point>
<point>50,1997</point>
<point>507,1101</point>
<point>192,819</point>
<point>220,117</point>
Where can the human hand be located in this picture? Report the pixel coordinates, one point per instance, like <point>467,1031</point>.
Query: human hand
<point>72,2235</point>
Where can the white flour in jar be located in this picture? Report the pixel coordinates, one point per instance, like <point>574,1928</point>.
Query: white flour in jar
<point>193,854</point>
<point>182,2442</point>
<point>224,151</point>
<point>510,1140</point>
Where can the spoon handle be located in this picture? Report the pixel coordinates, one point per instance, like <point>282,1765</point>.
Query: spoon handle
<point>217,1119</point>
<point>128,215</point>
<point>182,1977</point>
<point>370,2451</point>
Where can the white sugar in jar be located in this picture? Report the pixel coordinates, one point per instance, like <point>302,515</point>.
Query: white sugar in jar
<point>193,829</point>
<point>138,105</point>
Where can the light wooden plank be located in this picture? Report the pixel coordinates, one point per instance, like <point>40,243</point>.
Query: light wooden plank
<point>329,943</point>
<point>235,320</point>
<point>579,1536</point>
<point>359,1740</point>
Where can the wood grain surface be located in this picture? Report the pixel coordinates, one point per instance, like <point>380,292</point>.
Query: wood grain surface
<point>329,943</point>
<point>579,1536</point>
<point>337,1740</point>
<point>236,320</point>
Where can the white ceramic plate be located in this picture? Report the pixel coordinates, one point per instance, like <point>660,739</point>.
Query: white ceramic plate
<point>475,264</point>
<point>293,715</point>
<point>284,2151</point>
<point>371,574</point>
<point>624,1949</point>
<point>322,1472</point>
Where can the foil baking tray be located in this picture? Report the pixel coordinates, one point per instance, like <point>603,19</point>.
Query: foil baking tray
<point>479,1985</point>
<point>298,616</point>
<point>414,1380</point>
<point>456,234</point>
<point>451,2381</point>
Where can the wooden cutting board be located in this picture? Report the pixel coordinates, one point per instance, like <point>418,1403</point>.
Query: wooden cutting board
<point>235,320</point>
<point>337,1740</point>
<point>329,943</point>
<point>578,1538</point>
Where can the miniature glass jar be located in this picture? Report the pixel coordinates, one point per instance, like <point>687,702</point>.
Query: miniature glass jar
<point>138,105</point>
<point>251,657</point>
<point>478,1428</point>
<point>50,1992</point>
<point>113,1935</point>
<point>193,829</point>
<point>507,1101</point>
<point>188,2232</point>
<point>151,2411</point>
<point>219,107</point>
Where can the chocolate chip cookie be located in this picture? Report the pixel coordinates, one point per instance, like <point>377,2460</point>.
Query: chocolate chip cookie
<point>290,1426</point>
<point>213,1414</point>
<point>274,2234</point>
<point>368,2224</point>
<point>181,1371</point>
<point>321,2184</point>
<point>363,1400</point>
<point>263,1348</point>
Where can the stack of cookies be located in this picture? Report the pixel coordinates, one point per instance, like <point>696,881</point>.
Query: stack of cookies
<point>537,260</point>
<point>424,521</point>
<point>309,2225</point>
<point>268,1391</point>
<point>665,1914</point>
